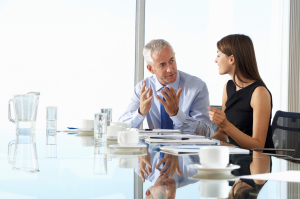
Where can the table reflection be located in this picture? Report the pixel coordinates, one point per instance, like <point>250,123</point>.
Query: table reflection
<point>170,172</point>
<point>255,163</point>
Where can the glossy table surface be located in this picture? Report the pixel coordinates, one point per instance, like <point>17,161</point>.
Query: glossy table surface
<point>85,170</point>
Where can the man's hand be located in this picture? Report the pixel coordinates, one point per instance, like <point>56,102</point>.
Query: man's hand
<point>171,165</point>
<point>145,160</point>
<point>172,100</point>
<point>145,102</point>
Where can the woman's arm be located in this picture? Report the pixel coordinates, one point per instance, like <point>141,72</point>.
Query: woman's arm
<point>261,104</point>
<point>221,134</point>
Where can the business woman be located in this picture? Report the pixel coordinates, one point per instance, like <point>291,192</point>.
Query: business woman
<point>246,103</point>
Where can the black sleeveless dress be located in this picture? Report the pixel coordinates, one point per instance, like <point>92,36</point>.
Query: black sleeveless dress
<point>240,113</point>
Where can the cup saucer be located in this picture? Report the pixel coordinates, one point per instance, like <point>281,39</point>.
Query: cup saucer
<point>208,170</point>
<point>130,147</point>
<point>84,130</point>
<point>214,176</point>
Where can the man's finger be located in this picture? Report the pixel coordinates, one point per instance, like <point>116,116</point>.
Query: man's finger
<point>160,162</point>
<point>165,95</point>
<point>142,175</point>
<point>143,87</point>
<point>150,93</point>
<point>144,171</point>
<point>172,92</point>
<point>169,92</point>
<point>160,100</point>
<point>149,99</point>
<point>178,93</point>
<point>178,170</point>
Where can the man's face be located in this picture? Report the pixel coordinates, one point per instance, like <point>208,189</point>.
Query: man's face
<point>164,66</point>
<point>165,186</point>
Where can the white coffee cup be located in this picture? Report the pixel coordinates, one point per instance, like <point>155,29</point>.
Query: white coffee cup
<point>128,138</point>
<point>87,125</point>
<point>213,188</point>
<point>112,131</point>
<point>122,124</point>
<point>214,156</point>
<point>128,162</point>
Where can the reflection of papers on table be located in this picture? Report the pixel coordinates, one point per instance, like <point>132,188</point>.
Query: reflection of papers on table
<point>179,141</point>
<point>289,176</point>
<point>157,131</point>
<point>171,136</point>
<point>192,149</point>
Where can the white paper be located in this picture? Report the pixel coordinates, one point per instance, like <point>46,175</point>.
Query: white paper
<point>160,131</point>
<point>186,149</point>
<point>171,136</point>
<point>288,176</point>
<point>189,141</point>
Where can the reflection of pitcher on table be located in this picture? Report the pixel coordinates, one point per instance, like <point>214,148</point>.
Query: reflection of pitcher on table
<point>25,156</point>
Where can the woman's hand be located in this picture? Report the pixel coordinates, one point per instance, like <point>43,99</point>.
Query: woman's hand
<point>218,117</point>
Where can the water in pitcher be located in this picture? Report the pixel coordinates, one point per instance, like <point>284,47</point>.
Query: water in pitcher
<point>25,127</point>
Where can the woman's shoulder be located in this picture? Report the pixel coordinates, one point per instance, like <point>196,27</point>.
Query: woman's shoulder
<point>261,94</point>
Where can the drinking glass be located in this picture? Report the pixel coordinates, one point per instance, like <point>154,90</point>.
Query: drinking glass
<point>100,159</point>
<point>108,111</point>
<point>51,127</point>
<point>100,124</point>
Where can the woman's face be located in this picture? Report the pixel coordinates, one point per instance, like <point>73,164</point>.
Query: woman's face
<point>225,63</point>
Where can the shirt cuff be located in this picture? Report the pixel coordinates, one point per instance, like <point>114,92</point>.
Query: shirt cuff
<point>179,118</point>
<point>137,119</point>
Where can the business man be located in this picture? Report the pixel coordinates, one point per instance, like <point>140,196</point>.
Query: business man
<point>169,99</point>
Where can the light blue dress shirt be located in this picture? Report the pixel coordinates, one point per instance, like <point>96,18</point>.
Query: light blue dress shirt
<point>192,116</point>
<point>184,162</point>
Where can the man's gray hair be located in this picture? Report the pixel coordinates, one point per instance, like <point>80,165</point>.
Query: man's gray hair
<point>156,45</point>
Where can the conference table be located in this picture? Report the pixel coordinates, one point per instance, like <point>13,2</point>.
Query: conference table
<point>83,169</point>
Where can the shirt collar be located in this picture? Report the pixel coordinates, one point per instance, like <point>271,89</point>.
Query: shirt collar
<point>175,85</point>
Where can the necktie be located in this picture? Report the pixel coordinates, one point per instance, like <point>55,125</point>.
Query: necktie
<point>166,122</point>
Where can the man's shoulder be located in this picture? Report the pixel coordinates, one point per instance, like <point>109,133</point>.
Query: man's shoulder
<point>149,81</point>
<point>186,78</point>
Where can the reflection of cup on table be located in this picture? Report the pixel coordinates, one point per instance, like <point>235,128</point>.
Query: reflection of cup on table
<point>128,138</point>
<point>87,125</point>
<point>214,156</point>
<point>214,188</point>
<point>112,131</point>
<point>128,162</point>
<point>122,124</point>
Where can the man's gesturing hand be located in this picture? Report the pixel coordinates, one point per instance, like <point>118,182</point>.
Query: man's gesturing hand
<point>145,102</point>
<point>172,100</point>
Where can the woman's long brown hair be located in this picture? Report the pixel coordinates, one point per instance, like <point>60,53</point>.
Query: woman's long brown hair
<point>242,49</point>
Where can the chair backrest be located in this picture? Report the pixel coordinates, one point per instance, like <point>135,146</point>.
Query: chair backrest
<point>286,131</point>
<point>297,151</point>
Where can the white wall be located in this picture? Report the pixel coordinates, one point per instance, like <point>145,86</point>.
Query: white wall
<point>78,54</point>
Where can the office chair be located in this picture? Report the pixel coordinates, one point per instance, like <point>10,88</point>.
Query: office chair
<point>286,133</point>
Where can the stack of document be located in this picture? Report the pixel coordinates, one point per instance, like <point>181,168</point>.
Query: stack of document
<point>170,136</point>
<point>159,131</point>
<point>192,149</point>
<point>180,141</point>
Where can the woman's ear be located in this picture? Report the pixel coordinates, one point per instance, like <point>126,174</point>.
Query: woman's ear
<point>231,60</point>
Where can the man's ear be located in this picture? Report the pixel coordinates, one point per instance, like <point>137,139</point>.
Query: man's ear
<point>231,60</point>
<point>148,193</point>
<point>150,68</point>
